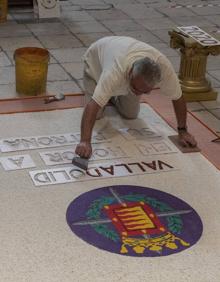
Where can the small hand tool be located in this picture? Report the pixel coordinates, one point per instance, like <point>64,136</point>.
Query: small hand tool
<point>80,162</point>
<point>57,97</point>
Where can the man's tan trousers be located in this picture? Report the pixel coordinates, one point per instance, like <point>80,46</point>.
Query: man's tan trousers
<point>127,105</point>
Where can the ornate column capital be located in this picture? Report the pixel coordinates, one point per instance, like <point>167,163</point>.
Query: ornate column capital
<point>194,84</point>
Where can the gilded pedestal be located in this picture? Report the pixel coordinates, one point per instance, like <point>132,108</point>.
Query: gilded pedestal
<point>192,72</point>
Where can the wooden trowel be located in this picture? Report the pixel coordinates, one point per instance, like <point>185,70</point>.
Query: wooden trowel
<point>80,162</point>
<point>175,140</point>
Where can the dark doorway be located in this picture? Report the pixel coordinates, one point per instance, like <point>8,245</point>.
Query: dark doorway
<point>20,3</point>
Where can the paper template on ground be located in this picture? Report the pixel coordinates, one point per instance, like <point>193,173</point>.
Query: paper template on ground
<point>100,152</point>
<point>139,133</point>
<point>17,162</point>
<point>38,142</point>
<point>123,148</point>
<point>155,148</point>
<point>100,171</point>
<point>109,151</point>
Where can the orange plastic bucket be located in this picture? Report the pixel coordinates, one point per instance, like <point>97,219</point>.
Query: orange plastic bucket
<point>31,67</point>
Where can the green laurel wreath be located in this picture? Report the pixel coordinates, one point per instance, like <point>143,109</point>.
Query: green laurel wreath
<point>175,223</point>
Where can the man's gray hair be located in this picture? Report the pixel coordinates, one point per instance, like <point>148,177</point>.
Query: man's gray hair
<point>148,69</point>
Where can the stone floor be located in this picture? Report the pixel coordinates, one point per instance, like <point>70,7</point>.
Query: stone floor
<point>37,244</point>
<point>82,22</point>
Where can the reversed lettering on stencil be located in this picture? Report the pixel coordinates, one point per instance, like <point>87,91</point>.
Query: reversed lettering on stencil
<point>139,133</point>
<point>199,35</point>
<point>100,152</point>
<point>37,142</point>
<point>154,148</point>
<point>99,171</point>
<point>17,162</point>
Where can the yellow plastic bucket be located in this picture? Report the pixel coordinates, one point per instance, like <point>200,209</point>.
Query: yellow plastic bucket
<point>3,10</point>
<point>31,67</point>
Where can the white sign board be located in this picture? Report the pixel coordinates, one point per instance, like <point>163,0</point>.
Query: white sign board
<point>17,162</point>
<point>199,35</point>
<point>99,171</point>
<point>46,141</point>
<point>47,8</point>
<point>100,152</point>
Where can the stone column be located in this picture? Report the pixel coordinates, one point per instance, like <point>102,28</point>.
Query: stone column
<point>192,72</point>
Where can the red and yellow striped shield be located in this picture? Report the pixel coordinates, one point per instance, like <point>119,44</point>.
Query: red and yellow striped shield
<point>132,219</point>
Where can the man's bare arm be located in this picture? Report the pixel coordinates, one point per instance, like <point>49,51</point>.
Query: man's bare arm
<point>185,138</point>
<point>84,148</point>
<point>180,111</point>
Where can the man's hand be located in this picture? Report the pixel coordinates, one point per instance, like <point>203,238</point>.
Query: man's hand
<point>186,139</point>
<point>84,150</point>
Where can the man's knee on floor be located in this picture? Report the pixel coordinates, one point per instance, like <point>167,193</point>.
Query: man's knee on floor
<point>125,109</point>
<point>129,114</point>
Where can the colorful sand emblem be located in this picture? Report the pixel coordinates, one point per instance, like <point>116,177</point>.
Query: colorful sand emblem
<point>134,221</point>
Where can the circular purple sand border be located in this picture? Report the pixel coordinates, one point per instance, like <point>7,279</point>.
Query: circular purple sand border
<point>134,221</point>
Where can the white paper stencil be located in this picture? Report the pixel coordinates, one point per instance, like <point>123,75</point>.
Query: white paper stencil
<point>100,152</point>
<point>99,171</point>
<point>47,141</point>
<point>144,133</point>
<point>155,148</point>
<point>17,162</point>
